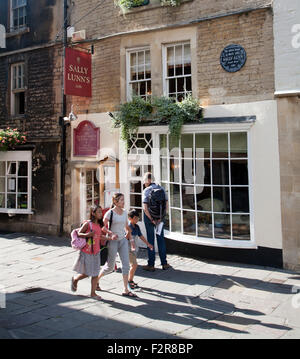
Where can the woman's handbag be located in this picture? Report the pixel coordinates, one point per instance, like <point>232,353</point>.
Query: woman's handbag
<point>104,250</point>
<point>77,242</point>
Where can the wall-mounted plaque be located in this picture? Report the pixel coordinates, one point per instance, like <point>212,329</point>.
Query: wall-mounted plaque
<point>233,58</point>
<point>86,139</point>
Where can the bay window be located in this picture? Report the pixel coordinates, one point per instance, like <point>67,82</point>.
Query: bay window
<point>206,176</point>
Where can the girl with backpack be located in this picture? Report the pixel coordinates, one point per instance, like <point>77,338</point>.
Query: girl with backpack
<point>116,220</point>
<point>88,261</point>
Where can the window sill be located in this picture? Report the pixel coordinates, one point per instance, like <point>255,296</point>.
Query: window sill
<point>225,243</point>
<point>18,32</point>
<point>154,4</point>
<point>18,117</point>
<point>12,212</point>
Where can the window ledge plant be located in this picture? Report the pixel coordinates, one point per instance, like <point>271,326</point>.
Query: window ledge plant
<point>10,138</point>
<point>158,111</point>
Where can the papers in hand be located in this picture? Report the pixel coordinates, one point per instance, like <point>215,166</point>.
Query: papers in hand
<point>159,228</point>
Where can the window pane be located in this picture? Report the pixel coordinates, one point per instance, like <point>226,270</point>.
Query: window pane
<point>187,167</point>
<point>239,172</point>
<point>241,227</point>
<point>174,170</point>
<point>23,169</point>
<point>164,169</point>
<point>172,86</point>
<point>175,195</point>
<point>187,146</point>
<point>180,84</point>
<point>203,197</point>
<point>133,59</point>
<point>238,144</point>
<point>163,145</point>
<point>2,168</point>
<point>221,199</point>
<point>204,225</point>
<point>22,185</point>
<point>188,197</point>
<point>11,201</point>
<point>170,55</point>
<point>173,146</point>
<point>22,201</point>
<point>189,223</point>
<point>89,192</point>
<point>176,220</point>
<point>187,54</point>
<point>202,145</point>
<point>133,73</point>
<point>11,168</point>
<point>220,172</point>
<point>135,187</point>
<point>203,172</point>
<point>222,226</point>
<point>188,84</point>
<point>240,199</point>
<point>135,200</point>
<point>2,184</point>
<point>220,145</point>
<point>2,200</point>
<point>135,171</point>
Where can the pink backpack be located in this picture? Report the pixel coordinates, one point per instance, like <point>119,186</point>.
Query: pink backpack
<point>78,242</point>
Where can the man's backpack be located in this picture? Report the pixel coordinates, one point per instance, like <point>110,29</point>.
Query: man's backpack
<point>157,203</point>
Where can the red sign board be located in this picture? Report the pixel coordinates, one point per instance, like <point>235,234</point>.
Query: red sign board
<point>78,73</point>
<point>86,139</point>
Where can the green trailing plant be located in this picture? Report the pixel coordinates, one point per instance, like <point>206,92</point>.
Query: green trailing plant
<point>160,110</point>
<point>10,138</point>
<point>126,5</point>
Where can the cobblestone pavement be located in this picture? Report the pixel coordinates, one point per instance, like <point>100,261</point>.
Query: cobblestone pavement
<point>195,299</point>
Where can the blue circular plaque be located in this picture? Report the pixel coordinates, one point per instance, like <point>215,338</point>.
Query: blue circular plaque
<point>233,58</point>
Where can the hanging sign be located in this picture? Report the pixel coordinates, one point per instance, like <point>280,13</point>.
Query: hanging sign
<point>78,73</point>
<point>86,139</point>
<point>233,58</point>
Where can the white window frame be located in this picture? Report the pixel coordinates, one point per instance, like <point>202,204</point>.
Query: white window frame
<point>18,7</point>
<point>84,208</point>
<point>15,87</point>
<point>206,128</point>
<point>18,156</point>
<point>166,78</point>
<point>129,82</point>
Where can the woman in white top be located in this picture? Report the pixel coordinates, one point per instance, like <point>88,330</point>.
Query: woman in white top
<point>119,226</point>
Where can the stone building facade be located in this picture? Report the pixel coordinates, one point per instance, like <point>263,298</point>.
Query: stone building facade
<point>240,200</point>
<point>244,223</point>
<point>30,198</point>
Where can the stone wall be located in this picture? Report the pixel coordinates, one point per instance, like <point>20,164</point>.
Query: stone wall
<point>289,148</point>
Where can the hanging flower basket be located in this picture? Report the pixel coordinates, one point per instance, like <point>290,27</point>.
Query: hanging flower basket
<point>11,138</point>
<point>157,111</point>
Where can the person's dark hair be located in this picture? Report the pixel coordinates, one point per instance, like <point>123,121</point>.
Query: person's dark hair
<point>93,210</point>
<point>133,213</point>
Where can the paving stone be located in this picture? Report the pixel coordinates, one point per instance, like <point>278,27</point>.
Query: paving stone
<point>195,299</point>
<point>32,332</point>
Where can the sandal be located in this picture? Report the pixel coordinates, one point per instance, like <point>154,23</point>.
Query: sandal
<point>132,284</point>
<point>129,294</point>
<point>73,287</point>
<point>98,289</point>
<point>97,297</point>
